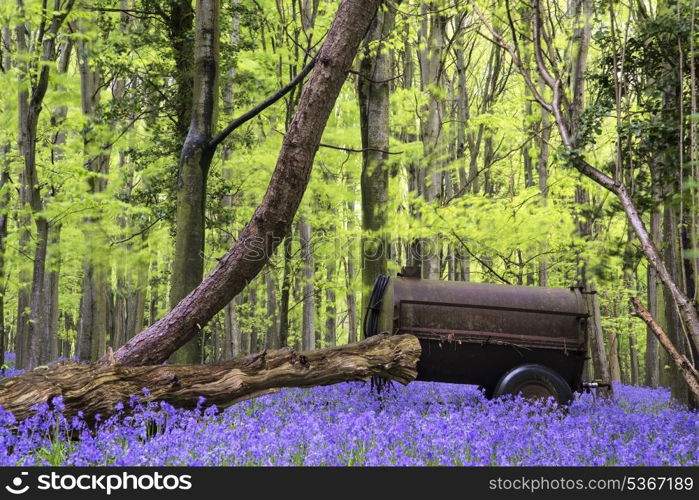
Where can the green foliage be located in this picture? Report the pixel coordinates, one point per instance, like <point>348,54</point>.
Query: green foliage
<point>501,221</point>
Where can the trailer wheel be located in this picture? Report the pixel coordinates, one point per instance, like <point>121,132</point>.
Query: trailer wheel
<point>534,382</point>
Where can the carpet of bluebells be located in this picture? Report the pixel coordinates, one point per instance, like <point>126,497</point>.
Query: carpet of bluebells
<point>346,424</point>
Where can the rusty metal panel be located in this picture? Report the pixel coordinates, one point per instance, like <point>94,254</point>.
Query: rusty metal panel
<point>544,317</point>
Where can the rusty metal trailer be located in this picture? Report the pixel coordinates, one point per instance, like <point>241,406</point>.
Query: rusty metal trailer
<point>506,339</point>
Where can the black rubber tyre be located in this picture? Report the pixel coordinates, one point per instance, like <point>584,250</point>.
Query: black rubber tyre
<point>534,382</point>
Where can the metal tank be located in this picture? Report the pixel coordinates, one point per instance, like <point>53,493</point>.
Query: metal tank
<point>506,339</point>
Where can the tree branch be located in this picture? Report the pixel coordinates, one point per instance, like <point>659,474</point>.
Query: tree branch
<point>260,107</point>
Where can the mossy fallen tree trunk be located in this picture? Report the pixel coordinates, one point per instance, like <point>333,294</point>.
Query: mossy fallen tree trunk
<point>95,388</point>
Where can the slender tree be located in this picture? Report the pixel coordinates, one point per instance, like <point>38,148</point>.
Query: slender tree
<point>34,81</point>
<point>195,161</point>
<point>373,88</point>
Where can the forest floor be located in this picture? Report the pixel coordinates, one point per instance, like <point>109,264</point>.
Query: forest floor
<point>346,424</point>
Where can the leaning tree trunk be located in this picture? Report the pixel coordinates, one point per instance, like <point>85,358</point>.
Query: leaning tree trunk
<point>94,389</point>
<point>272,219</point>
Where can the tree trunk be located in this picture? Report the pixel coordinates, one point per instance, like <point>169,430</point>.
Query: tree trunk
<point>231,347</point>
<point>120,310</point>
<point>633,359</point>
<point>652,352</point>
<point>4,208</point>
<point>93,389</point>
<point>284,299</point>
<point>272,337</point>
<point>135,307</point>
<point>93,324</point>
<point>231,344</point>
<point>614,367</point>
<point>254,330</point>
<point>180,33</point>
<point>351,302</point>
<point>50,315</point>
<point>330,336</point>
<point>461,112</point>
<point>309,300</point>
<point>673,326</point>
<point>33,89</point>
<point>373,88</point>
<point>630,281</point>
<point>69,326</point>
<point>195,161</point>
<point>594,324</point>
<point>5,160</point>
<point>544,126</point>
<point>432,79</point>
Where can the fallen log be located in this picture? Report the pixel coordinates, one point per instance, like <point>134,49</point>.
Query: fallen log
<point>97,388</point>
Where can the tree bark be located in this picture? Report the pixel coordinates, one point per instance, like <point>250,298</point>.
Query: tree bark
<point>432,79</point>
<point>672,323</point>
<point>373,89</point>
<point>652,354</point>
<point>93,323</point>
<point>231,347</point>
<point>284,299</point>
<point>633,359</point>
<point>96,389</point>
<point>180,24</point>
<point>50,314</point>
<point>33,89</point>
<point>272,336</point>
<point>462,117</point>
<point>330,336</point>
<point>351,302</point>
<point>195,161</point>
<point>595,334</point>
<point>614,367</point>
<point>309,301</point>
<point>4,208</point>
<point>232,337</point>
<point>4,200</point>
